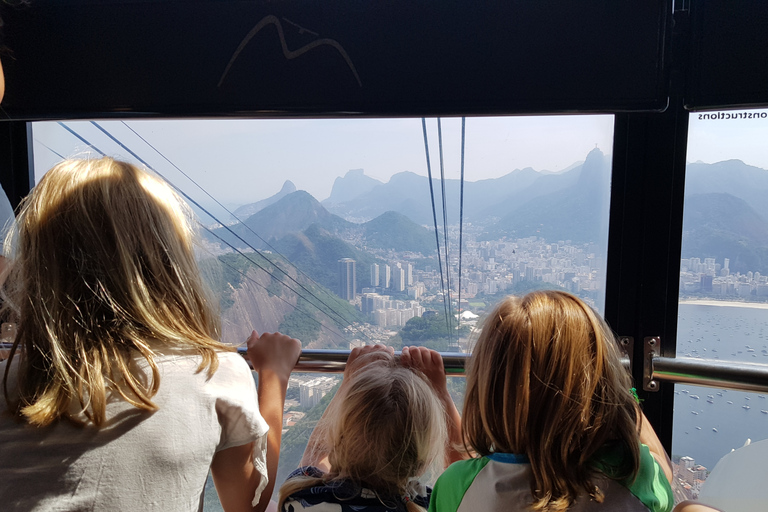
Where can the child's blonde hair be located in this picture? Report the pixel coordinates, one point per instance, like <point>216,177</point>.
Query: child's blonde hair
<point>103,266</point>
<point>386,429</point>
<point>545,380</point>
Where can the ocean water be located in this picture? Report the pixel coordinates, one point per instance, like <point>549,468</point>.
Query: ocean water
<point>708,427</point>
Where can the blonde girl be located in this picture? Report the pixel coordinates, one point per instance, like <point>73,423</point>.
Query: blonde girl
<point>386,426</point>
<point>549,414</point>
<point>117,394</point>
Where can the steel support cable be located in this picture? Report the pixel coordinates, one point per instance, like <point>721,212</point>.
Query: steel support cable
<point>434,215</point>
<point>246,226</point>
<point>70,130</point>
<point>296,307</point>
<point>333,313</point>
<point>445,229</point>
<point>46,146</point>
<point>461,217</point>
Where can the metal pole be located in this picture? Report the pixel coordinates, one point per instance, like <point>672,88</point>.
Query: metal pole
<point>707,372</point>
<point>334,361</point>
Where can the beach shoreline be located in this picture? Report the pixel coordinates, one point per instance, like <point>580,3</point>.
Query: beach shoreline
<point>725,303</point>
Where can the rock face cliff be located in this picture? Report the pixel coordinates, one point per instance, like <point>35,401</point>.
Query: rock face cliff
<point>254,308</point>
<point>262,303</point>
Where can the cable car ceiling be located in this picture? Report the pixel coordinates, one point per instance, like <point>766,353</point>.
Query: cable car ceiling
<point>81,59</point>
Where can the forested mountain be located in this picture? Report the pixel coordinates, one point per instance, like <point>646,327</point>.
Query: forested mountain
<point>291,214</point>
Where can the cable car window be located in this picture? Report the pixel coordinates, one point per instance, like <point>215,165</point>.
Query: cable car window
<point>723,311</point>
<point>331,231</point>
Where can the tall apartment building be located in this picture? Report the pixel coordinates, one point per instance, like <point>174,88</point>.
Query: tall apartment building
<point>347,280</point>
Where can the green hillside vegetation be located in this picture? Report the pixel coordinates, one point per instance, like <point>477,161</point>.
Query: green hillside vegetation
<point>297,324</point>
<point>392,230</point>
<point>317,253</point>
<point>430,331</point>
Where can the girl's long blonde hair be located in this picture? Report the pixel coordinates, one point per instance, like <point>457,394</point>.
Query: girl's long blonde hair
<point>103,269</point>
<point>385,430</point>
<point>545,380</point>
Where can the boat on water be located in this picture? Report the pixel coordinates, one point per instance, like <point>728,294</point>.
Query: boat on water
<point>695,397</point>
<point>745,407</point>
<point>698,428</point>
<point>694,412</point>
<point>710,401</point>
<point>730,402</point>
<point>763,411</point>
<point>714,430</point>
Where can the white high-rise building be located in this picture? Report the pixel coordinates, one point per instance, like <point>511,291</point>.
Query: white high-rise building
<point>347,280</point>
<point>375,275</point>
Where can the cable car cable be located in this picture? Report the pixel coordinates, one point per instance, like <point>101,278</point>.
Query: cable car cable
<point>246,226</point>
<point>445,229</point>
<point>434,213</point>
<point>190,199</point>
<point>50,149</point>
<point>81,139</point>
<point>461,219</point>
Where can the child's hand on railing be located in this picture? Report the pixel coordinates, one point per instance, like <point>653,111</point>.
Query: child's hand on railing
<point>273,352</point>
<point>360,356</point>
<point>429,362</point>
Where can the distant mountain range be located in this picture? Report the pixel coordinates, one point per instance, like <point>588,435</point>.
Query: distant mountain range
<point>568,205</point>
<point>726,214</point>
<point>294,213</point>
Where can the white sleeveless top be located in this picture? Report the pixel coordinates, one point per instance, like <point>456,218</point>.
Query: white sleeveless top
<point>139,460</point>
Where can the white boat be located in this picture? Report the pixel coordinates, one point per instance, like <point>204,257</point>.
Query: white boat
<point>745,407</point>
<point>695,397</point>
<point>714,430</point>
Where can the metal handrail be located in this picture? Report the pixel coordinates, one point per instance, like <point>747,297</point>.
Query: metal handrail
<point>708,372</point>
<point>682,370</point>
<point>334,361</point>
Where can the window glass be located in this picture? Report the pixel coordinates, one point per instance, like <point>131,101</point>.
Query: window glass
<point>328,229</point>
<point>723,312</point>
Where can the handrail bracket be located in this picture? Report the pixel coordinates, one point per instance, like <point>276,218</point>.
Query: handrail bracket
<point>651,348</point>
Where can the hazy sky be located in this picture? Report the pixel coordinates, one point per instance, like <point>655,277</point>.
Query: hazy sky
<point>242,161</point>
